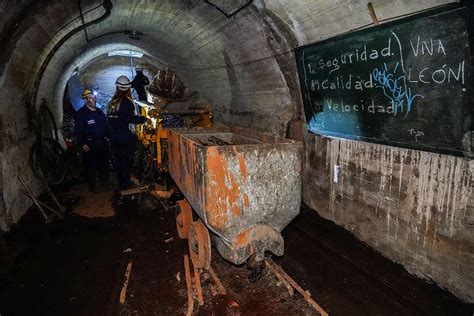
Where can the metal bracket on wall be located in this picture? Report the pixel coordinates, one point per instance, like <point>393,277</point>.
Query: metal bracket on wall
<point>231,14</point>
<point>372,14</point>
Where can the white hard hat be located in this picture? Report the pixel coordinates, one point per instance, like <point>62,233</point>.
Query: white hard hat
<point>123,83</point>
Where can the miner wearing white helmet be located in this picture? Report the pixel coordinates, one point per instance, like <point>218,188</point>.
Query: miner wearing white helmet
<point>139,83</point>
<point>121,113</point>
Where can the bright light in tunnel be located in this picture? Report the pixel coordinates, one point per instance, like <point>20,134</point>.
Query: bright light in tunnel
<point>125,53</point>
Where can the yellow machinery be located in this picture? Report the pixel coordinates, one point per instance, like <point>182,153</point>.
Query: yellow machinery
<point>154,134</point>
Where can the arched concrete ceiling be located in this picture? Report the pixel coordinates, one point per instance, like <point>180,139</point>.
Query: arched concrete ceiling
<point>61,70</point>
<point>244,63</point>
<point>171,33</point>
<point>100,74</point>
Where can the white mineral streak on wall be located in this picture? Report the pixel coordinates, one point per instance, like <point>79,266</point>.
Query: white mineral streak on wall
<point>297,30</point>
<point>333,160</point>
<point>443,183</point>
<point>433,193</point>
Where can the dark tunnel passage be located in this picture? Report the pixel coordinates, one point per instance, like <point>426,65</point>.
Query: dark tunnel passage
<point>267,139</point>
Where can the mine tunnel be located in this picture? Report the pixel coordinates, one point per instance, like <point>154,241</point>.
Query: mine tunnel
<point>302,157</point>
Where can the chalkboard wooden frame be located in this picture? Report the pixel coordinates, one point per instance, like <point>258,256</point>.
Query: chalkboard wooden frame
<point>432,117</point>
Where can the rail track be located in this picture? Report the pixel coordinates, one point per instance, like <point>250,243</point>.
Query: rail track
<point>195,292</point>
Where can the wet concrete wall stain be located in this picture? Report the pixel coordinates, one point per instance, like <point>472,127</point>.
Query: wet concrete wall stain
<point>281,41</point>
<point>413,206</point>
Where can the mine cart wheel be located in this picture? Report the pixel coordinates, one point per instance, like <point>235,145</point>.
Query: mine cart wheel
<point>184,218</point>
<point>256,269</point>
<point>199,242</point>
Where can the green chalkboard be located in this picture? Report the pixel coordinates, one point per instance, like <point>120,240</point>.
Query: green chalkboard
<point>407,83</point>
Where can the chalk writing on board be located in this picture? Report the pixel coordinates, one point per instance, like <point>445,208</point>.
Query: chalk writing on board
<point>368,107</point>
<point>350,57</point>
<point>395,88</point>
<point>391,83</point>
<point>416,133</point>
<point>349,82</point>
<point>428,47</point>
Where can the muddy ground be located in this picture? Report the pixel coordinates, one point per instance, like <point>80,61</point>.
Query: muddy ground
<point>76,266</point>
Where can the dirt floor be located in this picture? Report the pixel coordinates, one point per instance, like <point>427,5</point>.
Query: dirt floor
<point>76,266</point>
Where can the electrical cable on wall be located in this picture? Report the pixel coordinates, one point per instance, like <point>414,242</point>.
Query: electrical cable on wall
<point>233,13</point>
<point>46,154</point>
<point>83,20</point>
<point>107,4</point>
<point>75,19</point>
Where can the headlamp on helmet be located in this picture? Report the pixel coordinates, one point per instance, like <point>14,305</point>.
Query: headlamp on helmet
<point>87,92</point>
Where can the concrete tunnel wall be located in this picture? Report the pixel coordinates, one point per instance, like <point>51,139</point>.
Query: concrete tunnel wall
<point>245,67</point>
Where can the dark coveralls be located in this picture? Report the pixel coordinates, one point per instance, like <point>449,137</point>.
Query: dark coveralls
<point>91,128</point>
<point>123,140</point>
<point>139,83</point>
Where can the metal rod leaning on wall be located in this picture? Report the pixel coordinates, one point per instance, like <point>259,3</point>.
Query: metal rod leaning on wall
<point>31,196</point>
<point>52,210</point>
<point>59,205</point>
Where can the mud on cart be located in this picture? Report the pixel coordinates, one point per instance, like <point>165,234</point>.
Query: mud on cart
<point>241,189</point>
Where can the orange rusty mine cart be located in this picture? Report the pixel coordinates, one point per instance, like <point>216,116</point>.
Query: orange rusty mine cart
<point>245,188</point>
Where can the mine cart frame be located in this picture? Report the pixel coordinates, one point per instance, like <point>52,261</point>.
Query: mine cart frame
<point>244,187</point>
<point>154,134</point>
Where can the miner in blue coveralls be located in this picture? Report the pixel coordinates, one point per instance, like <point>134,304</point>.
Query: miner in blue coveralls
<point>139,83</point>
<point>122,116</point>
<point>91,130</point>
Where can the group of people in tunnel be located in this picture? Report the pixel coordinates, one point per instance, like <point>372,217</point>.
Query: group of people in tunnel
<point>93,127</point>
